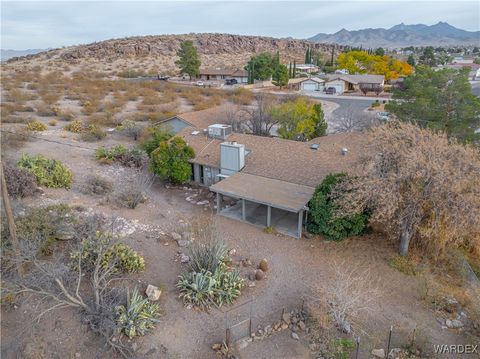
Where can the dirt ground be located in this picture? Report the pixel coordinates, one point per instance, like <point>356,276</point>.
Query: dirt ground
<point>295,267</point>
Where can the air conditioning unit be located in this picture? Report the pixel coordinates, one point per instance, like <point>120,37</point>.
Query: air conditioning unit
<point>219,131</point>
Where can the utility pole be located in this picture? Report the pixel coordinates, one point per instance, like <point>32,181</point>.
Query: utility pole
<point>10,221</point>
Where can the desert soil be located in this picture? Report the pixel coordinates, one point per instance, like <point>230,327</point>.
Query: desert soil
<point>295,267</point>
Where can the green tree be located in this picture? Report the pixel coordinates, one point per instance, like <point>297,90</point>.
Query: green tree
<point>428,57</point>
<point>299,120</point>
<point>261,66</point>
<point>321,219</point>
<point>170,160</point>
<point>380,51</point>
<point>153,136</point>
<point>294,71</point>
<point>440,100</point>
<point>411,60</point>
<point>280,76</point>
<point>189,61</point>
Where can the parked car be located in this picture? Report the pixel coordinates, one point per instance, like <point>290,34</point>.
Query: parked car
<point>383,116</point>
<point>200,84</point>
<point>330,90</point>
<point>231,82</point>
<point>163,78</point>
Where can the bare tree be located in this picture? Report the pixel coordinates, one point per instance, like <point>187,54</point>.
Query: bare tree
<point>257,118</point>
<point>364,88</point>
<point>420,186</point>
<point>233,117</point>
<point>350,293</point>
<point>353,120</point>
<point>378,89</point>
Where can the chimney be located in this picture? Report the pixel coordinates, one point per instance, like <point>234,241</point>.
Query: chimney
<point>232,158</point>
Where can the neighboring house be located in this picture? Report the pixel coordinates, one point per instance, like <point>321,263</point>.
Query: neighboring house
<point>307,68</point>
<point>306,84</point>
<point>266,181</point>
<point>350,83</point>
<point>219,74</point>
<point>473,74</point>
<point>198,119</point>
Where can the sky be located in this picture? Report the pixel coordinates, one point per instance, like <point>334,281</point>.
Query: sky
<point>51,24</point>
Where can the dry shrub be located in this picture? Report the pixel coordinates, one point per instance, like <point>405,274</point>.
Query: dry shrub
<point>135,190</point>
<point>20,182</point>
<point>241,96</point>
<point>349,295</point>
<point>15,138</point>
<point>97,185</point>
<point>45,111</point>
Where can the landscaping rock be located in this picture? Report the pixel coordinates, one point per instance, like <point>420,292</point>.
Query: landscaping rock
<point>184,258</point>
<point>259,274</point>
<point>183,243</point>
<point>175,236</point>
<point>284,326</point>
<point>395,353</point>
<point>378,353</point>
<point>263,265</point>
<point>286,318</point>
<point>302,326</point>
<point>216,346</point>
<point>295,336</point>
<point>153,293</point>
<point>453,324</point>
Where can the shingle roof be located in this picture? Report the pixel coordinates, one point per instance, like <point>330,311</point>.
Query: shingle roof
<point>280,159</point>
<point>224,72</point>
<point>202,119</point>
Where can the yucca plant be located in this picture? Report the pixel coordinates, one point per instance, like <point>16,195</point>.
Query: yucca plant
<point>138,316</point>
<point>207,257</point>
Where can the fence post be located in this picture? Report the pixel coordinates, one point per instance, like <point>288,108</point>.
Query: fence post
<point>389,340</point>
<point>358,348</point>
<point>227,337</point>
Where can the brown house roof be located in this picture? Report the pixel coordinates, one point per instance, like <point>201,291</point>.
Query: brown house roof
<point>280,159</point>
<point>357,79</point>
<point>224,72</point>
<point>202,119</point>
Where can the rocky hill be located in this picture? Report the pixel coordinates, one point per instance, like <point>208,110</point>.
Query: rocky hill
<point>440,34</point>
<point>158,53</point>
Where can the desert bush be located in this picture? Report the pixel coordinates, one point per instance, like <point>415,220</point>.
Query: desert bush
<point>93,133</point>
<point>45,111</point>
<point>20,182</point>
<point>135,191</point>
<point>52,122</point>
<point>14,119</point>
<point>14,138</point>
<point>321,219</point>
<point>36,126</point>
<point>128,74</point>
<point>241,96</point>
<point>138,316</point>
<point>48,172</point>
<point>97,185</point>
<point>118,256</point>
<point>209,280</point>
<point>133,157</point>
<point>130,129</point>
<point>76,126</point>
<point>66,115</point>
<point>404,264</point>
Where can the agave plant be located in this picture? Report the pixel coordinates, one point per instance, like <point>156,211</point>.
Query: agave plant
<point>197,288</point>
<point>138,316</point>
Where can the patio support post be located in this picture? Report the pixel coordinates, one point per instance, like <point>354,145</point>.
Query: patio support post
<point>300,222</point>
<point>269,216</point>
<point>219,202</point>
<point>244,215</point>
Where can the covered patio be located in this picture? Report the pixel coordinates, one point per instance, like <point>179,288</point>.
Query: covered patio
<point>264,202</point>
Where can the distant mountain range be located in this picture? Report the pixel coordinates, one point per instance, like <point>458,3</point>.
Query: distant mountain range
<point>402,35</point>
<point>8,54</point>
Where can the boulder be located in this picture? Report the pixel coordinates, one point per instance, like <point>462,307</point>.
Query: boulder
<point>183,243</point>
<point>295,336</point>
<point>263,265</point>
<point>216,346</point>
<point>153,293</point>
<point>453,324</point>
<point>184,258</point>
<point>259,274</point>
<point>378,353</point>
<point>302,325</point>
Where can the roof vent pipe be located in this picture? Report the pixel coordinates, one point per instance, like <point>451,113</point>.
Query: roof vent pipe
<point>344,151</point>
